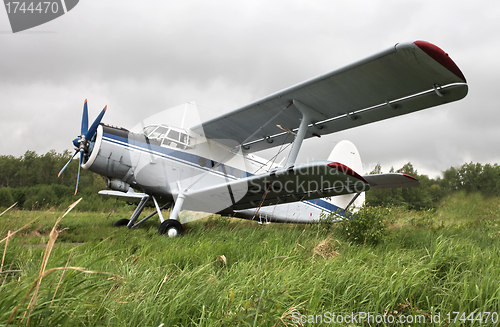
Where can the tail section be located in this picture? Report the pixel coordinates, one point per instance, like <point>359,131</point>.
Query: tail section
<point>346,153</point>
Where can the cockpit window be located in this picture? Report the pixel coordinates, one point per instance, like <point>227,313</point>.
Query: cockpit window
<point>173,135</point>
<point>149,129</point>
<point>170,136</point>
<point>158,133</point>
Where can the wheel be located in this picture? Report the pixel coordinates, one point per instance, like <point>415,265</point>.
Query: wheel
<point>171,227</point>
<point>121,222</point>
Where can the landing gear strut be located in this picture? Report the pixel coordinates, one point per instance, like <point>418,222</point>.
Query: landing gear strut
<point>171,227</point>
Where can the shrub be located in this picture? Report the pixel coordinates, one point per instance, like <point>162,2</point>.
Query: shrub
<point>367,226</point>
<point>40,196</point>
<point>424,219</point>
<point>19,195</point>
<point>6,198</point>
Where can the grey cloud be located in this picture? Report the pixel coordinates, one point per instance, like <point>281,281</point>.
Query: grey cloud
<point>142,57</point>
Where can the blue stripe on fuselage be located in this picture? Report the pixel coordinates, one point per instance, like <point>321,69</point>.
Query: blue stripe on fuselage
<point>171,154</point>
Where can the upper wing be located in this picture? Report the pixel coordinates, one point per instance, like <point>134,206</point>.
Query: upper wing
<point>405,78</point>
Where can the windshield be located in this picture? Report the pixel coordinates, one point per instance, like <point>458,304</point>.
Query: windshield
<point>158,132</point>
<point>170,136</point>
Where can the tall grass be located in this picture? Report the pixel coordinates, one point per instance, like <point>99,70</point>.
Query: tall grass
<point>226,272</point>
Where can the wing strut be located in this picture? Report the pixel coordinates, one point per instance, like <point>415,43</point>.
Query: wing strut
<point>309,115</point>
<point>352,201</point>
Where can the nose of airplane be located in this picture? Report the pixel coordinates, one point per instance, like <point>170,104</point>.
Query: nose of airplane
<point>82,142</point>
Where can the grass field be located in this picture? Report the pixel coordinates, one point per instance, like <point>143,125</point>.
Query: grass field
<point>226,272</point>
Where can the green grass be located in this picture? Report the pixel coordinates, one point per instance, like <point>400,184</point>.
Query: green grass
<point>440,261</point>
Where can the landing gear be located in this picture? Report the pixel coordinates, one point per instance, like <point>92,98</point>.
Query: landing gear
<point>121,222</point>
<point>171,227</point>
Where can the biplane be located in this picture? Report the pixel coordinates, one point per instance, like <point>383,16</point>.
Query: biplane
<point>213,166</point>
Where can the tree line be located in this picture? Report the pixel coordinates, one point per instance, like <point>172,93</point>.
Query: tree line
<point>470,177</point>
<point>31,181</point>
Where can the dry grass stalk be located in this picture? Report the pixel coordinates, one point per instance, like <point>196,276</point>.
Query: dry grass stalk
<point>222,260</point>
<point>11,271</point>
<point>327,248</point>
<point>287,315</point>
<point>36,282</point>
<point>159,288</point>
<point>62,276</point>
<point>9,235</point>
<point>12,206</point>
<point>52,240</point>
<point>26,225</point>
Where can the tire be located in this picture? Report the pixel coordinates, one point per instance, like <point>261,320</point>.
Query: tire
<point>171,227</point>
<point>121,222</point>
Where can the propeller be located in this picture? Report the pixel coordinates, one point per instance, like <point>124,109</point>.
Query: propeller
<point>82,142</point>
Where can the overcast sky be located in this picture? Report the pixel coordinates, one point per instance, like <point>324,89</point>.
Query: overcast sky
<point>142,57</point>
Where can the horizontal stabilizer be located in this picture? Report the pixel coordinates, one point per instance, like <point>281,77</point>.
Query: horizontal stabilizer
<point>391,180</point>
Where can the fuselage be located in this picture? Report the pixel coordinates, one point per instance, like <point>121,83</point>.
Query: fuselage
<point>164,166</point>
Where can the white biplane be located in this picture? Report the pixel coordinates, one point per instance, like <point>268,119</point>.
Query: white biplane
<point>212,167</point>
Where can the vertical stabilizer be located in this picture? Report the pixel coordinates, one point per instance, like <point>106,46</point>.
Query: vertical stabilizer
<point>346,153</point>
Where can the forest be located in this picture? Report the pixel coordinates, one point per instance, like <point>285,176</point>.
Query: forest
<point>31,181</point>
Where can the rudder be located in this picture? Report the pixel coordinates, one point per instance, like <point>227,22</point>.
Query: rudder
<point>346,153</point>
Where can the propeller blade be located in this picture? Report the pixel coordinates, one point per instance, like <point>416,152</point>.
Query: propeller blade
<point>79,166</point>
<point>85,119</point>
<point>66,165</point>
<point>95,124</point>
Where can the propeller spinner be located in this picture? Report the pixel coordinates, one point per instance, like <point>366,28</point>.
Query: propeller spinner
<point>82,142</point>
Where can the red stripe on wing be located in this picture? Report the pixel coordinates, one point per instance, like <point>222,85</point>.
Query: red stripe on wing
<point>441,57</point>
<point>410,177</point>
<point>346,170</point>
